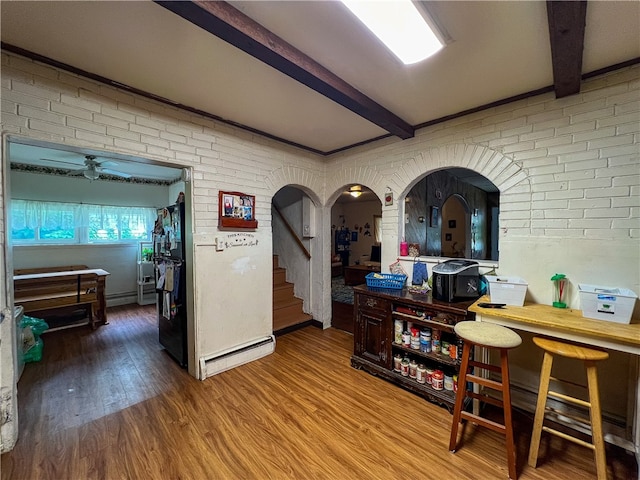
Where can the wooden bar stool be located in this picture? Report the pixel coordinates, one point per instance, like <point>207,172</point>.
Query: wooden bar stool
<point>589,356</point>
<point>486,335</point>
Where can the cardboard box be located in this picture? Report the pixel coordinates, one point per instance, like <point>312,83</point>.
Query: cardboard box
<point>507,290</point>
<point>607,303</point>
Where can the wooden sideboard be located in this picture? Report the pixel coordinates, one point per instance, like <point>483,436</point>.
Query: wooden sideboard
<point>375,313</point>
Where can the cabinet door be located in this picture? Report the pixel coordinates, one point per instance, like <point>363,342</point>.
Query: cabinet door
<point>375,340</point>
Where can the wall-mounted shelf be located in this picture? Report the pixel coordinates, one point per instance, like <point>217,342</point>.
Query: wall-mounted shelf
<point>236,210</point>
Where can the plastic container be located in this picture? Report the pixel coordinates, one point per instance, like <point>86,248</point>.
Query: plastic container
<point>386,280</point>
<point>507,290</point>
<point>607,303</point>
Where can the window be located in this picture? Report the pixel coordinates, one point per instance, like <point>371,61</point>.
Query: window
<point>35,222</point>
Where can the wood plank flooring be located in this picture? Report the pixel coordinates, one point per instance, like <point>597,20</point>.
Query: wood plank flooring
<point>111,404</point>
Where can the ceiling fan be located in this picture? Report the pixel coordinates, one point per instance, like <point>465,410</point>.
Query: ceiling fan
<point>93,169</point>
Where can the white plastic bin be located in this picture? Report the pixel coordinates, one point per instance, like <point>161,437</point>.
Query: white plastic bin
<point>607,303</point>
<point>507,290</point>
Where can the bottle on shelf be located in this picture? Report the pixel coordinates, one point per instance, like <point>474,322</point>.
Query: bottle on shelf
<point>413,369</point>
<point>404,367</point>
<point>397,363</point>
<point>435,341</point>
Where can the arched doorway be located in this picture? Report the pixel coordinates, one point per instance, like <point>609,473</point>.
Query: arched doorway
<point>355,248</point>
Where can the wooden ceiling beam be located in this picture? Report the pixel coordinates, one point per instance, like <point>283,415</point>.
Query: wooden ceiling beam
<point>566,31</point>
<point>231,25</point>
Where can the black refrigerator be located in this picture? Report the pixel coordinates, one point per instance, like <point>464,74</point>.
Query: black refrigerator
<point>170,274</point>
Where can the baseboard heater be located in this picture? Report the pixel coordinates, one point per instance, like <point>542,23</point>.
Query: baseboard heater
<point>226,360</point>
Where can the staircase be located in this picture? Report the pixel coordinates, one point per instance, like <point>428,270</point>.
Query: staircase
<point>287,309</point>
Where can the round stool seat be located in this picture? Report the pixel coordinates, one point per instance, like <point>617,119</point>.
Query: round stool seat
<point>569,350</point>
<point>487,334</point>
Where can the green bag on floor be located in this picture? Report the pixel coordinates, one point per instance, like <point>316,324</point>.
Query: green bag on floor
<point>32,344</point>
<point>34,354</point>
<point>38,326</point>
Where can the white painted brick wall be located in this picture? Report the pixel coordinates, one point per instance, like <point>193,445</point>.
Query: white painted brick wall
<point>557,162</point>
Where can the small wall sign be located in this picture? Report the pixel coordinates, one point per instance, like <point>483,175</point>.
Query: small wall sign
<point>388,199</point>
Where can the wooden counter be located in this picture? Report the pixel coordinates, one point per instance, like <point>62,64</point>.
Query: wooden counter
<point>565,323</point>
<point>569,324</point>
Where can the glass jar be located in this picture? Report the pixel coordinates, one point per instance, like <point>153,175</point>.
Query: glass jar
<point>437,381</point>
<point>413,369</point>
<point>397,363</point>
<point>404,367</point>
<point>448,383</point>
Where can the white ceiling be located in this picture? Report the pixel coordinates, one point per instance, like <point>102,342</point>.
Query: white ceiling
<point>498,50</point>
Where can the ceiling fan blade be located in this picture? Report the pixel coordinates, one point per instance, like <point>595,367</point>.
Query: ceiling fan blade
<point>114,172</point>
<point>57,163</point>
<point>108,163</point>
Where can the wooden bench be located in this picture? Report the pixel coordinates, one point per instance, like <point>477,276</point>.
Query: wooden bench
<point>43,291</point>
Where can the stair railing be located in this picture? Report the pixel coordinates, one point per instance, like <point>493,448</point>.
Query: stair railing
<point>292,232</point>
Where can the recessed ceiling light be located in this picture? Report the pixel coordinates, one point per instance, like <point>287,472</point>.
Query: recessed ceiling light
<point>400,26</point>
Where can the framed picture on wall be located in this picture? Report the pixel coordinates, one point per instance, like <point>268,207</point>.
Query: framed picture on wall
<point>452,224</point>
<point>236,210</point>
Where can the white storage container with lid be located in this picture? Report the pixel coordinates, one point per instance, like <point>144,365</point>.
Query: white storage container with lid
<point>507,290</point>
<point>607,303</point>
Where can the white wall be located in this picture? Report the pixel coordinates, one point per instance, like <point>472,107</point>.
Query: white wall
<point>567,171</point>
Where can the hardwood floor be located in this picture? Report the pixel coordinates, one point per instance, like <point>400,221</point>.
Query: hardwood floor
<point>110,404</point>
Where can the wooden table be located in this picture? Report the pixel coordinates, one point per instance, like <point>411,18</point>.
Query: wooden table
<point>355,274</point>
<point>569,324</point>
<point>101,307</point>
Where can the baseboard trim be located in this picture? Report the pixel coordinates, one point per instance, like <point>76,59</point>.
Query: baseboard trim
<point>298,326</point>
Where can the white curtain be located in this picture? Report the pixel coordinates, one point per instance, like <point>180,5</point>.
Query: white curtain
<point>137,221</point>
<point>32,214</point>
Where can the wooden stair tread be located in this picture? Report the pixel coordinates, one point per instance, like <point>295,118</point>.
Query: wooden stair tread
<point>287,308</point>
<point>287,303</point>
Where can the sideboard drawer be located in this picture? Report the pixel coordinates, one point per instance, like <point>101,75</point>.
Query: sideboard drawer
<point>368,302</point>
